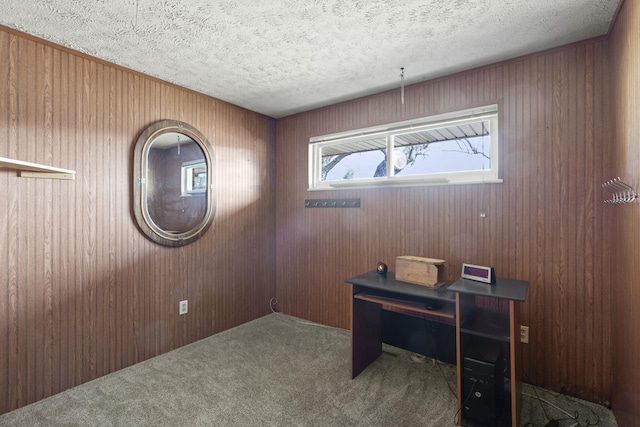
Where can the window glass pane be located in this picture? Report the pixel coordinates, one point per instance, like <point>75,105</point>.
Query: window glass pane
<point>363,159</point>
<point>457,148</point>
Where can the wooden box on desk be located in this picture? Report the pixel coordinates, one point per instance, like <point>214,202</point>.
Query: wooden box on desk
<point>418,270</point>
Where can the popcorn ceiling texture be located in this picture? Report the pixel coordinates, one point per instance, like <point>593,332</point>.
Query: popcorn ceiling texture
<point>278,57</point>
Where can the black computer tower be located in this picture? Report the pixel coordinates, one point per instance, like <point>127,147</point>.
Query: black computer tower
<point>483,383</point>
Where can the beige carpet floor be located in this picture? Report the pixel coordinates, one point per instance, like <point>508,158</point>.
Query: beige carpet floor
<point>280,371</point>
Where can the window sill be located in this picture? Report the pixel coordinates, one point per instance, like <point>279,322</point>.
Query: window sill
<point>346,185</point>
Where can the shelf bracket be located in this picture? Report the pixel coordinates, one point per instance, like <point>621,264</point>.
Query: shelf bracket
<point>48,175</point>
<point>36,170</point>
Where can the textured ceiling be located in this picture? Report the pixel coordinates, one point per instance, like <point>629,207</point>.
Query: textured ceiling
<point>279,57</point>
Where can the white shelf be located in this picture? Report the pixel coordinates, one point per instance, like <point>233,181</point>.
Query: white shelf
<point>35,170</point>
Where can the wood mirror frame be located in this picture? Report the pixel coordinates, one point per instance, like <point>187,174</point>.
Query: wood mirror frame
<point>199,219</point>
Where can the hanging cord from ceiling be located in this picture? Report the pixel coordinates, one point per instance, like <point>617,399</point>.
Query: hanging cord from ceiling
<point>134,23</point>
<point>402,85</point>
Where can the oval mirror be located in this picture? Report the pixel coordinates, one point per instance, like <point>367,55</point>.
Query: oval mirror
<point>173,190</point>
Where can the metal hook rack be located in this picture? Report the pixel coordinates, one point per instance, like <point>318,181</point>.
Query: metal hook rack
<point>621,191</point>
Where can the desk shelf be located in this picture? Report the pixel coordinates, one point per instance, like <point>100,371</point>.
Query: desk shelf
<point>419,307</point>
<point>488,324</point>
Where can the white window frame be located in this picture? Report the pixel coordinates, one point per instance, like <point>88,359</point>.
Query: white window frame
<point>484,113</point>
<point>188,171</point>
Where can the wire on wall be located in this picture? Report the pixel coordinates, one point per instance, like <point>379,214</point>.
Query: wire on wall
<point>272,304</point>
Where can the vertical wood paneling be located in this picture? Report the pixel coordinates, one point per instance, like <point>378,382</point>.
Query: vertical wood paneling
<point>82,292</point>
<point>5,308</point>
<point>544,224</point>
<point>623,220</point>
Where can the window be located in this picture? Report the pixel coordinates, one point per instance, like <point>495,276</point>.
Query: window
<point>194,178</point>
<point>453,148</point>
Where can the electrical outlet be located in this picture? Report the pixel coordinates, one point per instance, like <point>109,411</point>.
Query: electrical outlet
<point>524,334</point>
<point>184,307</point>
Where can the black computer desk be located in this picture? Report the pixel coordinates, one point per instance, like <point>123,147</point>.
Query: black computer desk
<point>437,322</point>
<point>414,317</point>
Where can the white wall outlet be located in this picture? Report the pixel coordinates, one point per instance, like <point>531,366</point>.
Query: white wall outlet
<point>184,307</point>
<point>524,334</point>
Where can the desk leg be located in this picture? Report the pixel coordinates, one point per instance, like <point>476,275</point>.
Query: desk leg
<point>366,335</point>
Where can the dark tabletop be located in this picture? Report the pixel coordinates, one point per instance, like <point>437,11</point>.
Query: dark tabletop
<point>509,289</point>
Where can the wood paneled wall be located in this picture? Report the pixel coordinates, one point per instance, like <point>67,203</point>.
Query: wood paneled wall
<point>625,229</point>
<point>545,223</point>
<point>82,292</point>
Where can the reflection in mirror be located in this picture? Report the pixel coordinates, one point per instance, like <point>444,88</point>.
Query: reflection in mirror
<point>175,165</point>
<point>173,189</point>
